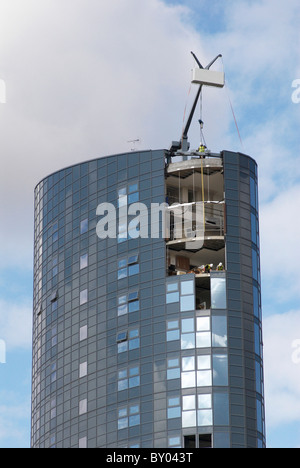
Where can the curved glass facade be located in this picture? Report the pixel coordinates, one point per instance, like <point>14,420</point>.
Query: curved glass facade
<point>143,341</point>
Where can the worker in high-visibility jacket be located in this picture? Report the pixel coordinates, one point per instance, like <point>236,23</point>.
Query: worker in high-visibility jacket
<point>220,267</point>
<point>202,148</point>
<point>208,267</point>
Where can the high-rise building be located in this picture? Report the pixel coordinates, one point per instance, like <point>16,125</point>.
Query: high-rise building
<point>140,342</point>
<point>152,336</point>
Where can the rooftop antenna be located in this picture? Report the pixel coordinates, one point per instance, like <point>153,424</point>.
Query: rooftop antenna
<point>203,77</point>
<point>134,142</point>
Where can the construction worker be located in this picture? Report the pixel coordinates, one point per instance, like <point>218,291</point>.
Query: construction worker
<point>208,267</point>
<point>202,148</point>
<point>220,267</point>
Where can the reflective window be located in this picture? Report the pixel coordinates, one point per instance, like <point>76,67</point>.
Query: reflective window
<point>128,378</point>
<point>134,344</point>
<point>188,379</point>
<point>259,416</point>
<point>188,363</point>
<point>55,232</point>
<point>174,408</point>
<point>171,287</point>
<point>133,296</point>
<point>133,259</point>
<point>203,323</point>
<point>123,336</point>
<point>122,310</point>
<point>53,373</point>
<point>258,375</point>
<point>203,362</point>
<point>122,273</point>
<point>173,371</point>
<point>186,298</point>
<point>82,407</point>
<point>204,378</point>
<point>172,297</point>
<point>188,375</point>
<point>188,340</point>
<point>173,332</point>
<point>218,292</point>
<point>133,198</point>
<point>219,331</point>
<point>133,193</point>
<point>204,401</point>
<point>254,265</point>
<point>83,443</point>
<point>128,416</point>
<point>84,261</point>
<point>128,195</point>
<point>175,442</point>
<point>203,340</point>
<point>257,340</point>
<point>122,197</point>
<point>256,302</point>
<point>221,409</point>
<point>83,297</point>
<point>197,410</point>
<point>253,228</point>
<point>187,288</point>
<point>204,373</point>
<point>253,193</point>
<point>128,267</point>
<point>55,267</point>
<point>187,325</point>
<point>205,417</point>
<point>122,263</point>
<point>128,303</point>
<point>187,303</point>
<point>122,236</point>
<point>133,270</point>
<point>220,370</point>
<point>133,188</point>
<point>128,340</point>
<point>134,306</point>
<point>123,347</point>
<point>54,296</point>
<point>189,415</point>
<point>83,333</point>
<point>84,225</point>
<point>83,370</point>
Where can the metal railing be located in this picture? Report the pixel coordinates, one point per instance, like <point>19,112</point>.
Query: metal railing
<point>213,213</point>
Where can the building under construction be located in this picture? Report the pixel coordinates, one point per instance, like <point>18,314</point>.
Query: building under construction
<point>157,342</point>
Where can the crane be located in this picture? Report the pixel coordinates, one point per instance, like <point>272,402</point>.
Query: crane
<point>203,77</point>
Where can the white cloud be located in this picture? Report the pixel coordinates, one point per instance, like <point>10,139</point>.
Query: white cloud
<point>83,78</point>
<point>16,324</point>
<point>282,376</point>
<point>14,420</point>
<point>280,253</point>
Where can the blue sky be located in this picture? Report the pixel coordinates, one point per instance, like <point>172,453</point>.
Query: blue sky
<point>84,77</point>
